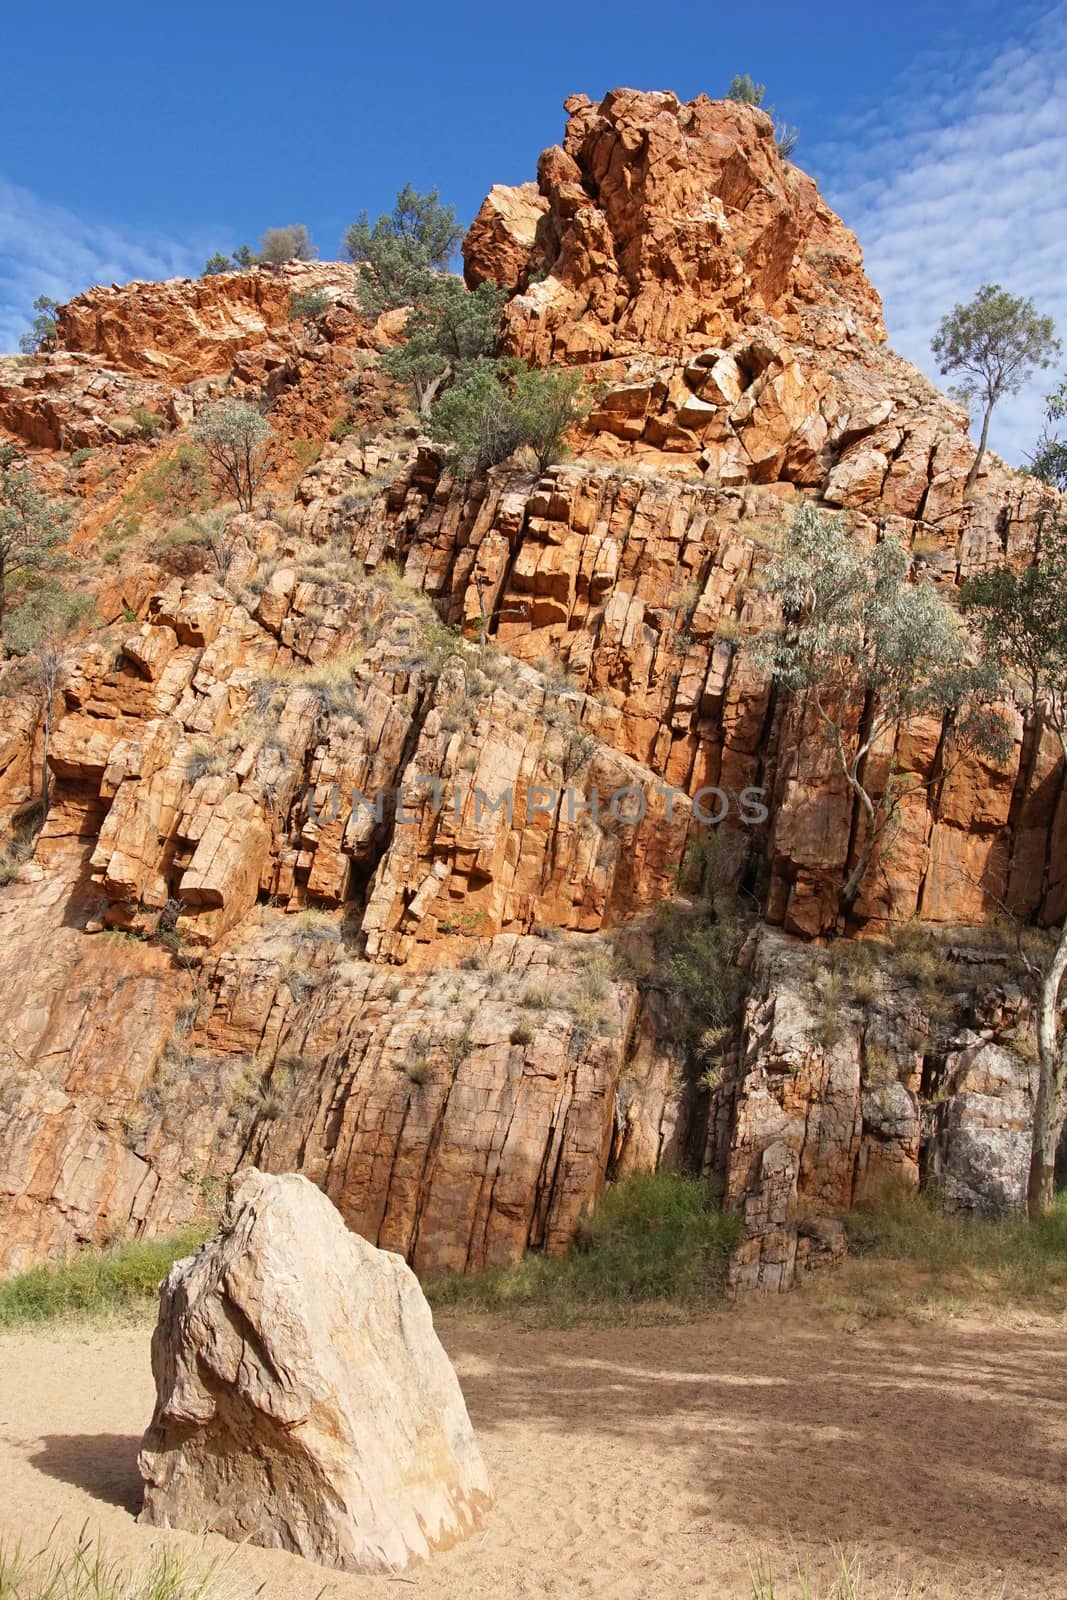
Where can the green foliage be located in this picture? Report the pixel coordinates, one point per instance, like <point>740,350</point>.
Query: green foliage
<point>87,1573</point>
<point>148,423</point>
<point>1049,461</point>
<point>866,647</point>
<point>44,327</point>
<point>495,407</point>
<point>657,1242</point>
<point>244,256</point>
<point>31,525</point>
<point>994,342</point>
<point>966,1258</point>
<point>292,242</point>
<point>94,1284</point>
<point>306,307</point>
<point>216,264</point>
<point>178,482</point>
<point>1022,620</point>
<point>700,971</point>
<point>47,613</point>
<point>234,435</point>
<point>419,235</point>
<point>745,91</point>
<point>448,326</point>
<point>1020,616</point>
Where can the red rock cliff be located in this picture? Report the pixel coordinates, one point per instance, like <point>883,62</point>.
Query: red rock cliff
<point>221,970</point>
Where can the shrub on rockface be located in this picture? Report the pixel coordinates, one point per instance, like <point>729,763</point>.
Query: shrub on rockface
<point>495,407</point>
<point>292,242</point>
<point>234,437</point>
<point>44,327</point>
<point>418,237</point>
<point>32,526</point>
<point>447,327</point>
<point>307,307</point>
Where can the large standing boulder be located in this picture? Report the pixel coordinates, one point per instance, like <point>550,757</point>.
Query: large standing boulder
<point>303,1398</point>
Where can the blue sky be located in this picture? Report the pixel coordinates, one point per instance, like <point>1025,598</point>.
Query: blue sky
<point>140,138</point>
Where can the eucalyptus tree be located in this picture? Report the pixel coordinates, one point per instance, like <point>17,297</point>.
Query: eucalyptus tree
<point>871,650</point>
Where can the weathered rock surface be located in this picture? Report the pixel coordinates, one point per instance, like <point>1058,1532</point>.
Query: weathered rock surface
<point>257,950</point>
<point>304,1400</point>
<point>853,1077</point>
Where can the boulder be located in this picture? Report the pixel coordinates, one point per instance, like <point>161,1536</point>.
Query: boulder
<point>303,1398</point>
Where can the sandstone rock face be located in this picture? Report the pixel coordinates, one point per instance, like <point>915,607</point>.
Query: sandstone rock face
<point>303,1398</point>
<point>188,329</point>
<point>300,774</point>
<point>852,1080</point>
<point>502,236</point>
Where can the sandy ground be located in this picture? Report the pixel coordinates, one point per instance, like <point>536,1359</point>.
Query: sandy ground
<point>651,1462</point>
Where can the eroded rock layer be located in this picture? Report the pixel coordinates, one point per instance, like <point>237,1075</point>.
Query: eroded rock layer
<point>330,876</point>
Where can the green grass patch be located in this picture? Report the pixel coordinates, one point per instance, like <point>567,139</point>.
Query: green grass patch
<point>94,1284</point>
<point>87,1573</point>
<point>908,1252</point>
<point>658,1245</point>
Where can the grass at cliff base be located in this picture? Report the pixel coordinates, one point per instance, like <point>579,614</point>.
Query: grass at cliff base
<point>124,1281</point>
<point>657,1247</point>
<point>909,1254</point>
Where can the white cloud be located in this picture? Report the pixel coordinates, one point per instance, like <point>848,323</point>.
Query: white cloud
<point>959,180</point>
<point>45,249</point>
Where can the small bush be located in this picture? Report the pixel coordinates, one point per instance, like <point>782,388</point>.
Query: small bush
<point>307,307</point>
<point>457,1048</point>
<point>148,423</point>
<point>234,436</point>
<point>497,406</point>
<point>180,482</point>
<point>292,242</point>
<point>205,759</point>
<point>521,1033</point>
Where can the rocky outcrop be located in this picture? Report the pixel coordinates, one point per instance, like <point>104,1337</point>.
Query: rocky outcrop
<point>864,1069</point>
<point>702,283</point>
<point>303,1399</point>
<point>331,792</point>
<point>648,589</point>
<point>188,329</point>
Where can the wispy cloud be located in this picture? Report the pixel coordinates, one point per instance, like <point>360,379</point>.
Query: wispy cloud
<point>45,249</point>
<point>960,179</point>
